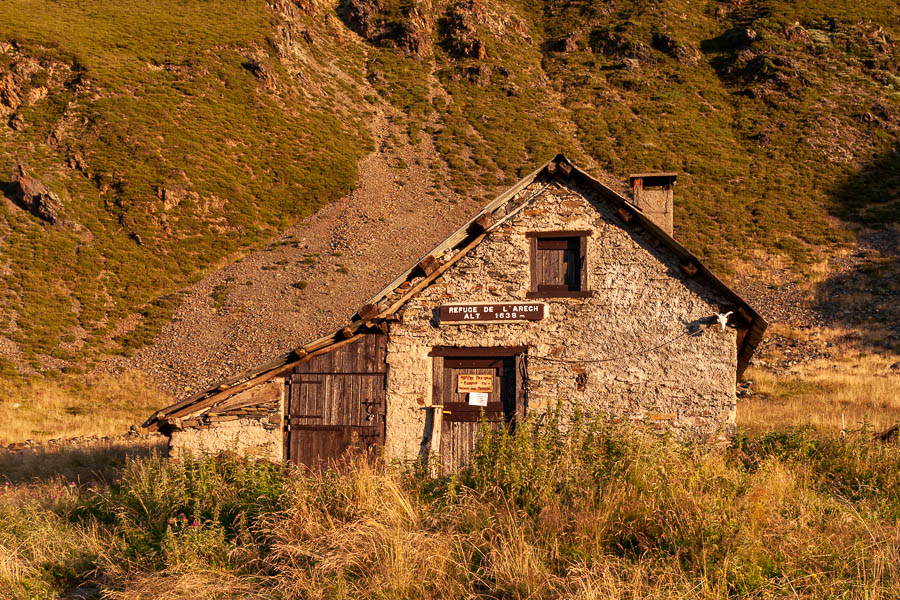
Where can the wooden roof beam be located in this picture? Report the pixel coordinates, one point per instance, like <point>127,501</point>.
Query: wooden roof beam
<point>215,398</point>
<point>427,280</point>
<point>429,265</point>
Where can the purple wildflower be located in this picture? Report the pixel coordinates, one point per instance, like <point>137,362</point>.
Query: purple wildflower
<point>195,524</point>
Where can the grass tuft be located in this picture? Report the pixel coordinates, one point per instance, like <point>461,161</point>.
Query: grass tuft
<point>592,509</point>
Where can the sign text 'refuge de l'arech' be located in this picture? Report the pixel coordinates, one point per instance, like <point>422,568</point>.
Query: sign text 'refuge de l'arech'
<point>486,313</point>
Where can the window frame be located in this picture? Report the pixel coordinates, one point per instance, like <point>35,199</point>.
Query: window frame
<point>534,237</point>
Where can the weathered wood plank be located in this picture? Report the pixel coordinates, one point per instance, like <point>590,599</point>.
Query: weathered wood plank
<point>429,265</point>
<point>209,401</point>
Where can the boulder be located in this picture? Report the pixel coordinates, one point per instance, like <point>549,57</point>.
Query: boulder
<point>309,7</point>
<point>33,196</point>
<point>362,16</point>
<point>414,34</point>
<point>683,53</point>
<point>568,43</point>
<point>620,45</point>
<point>262,72</point>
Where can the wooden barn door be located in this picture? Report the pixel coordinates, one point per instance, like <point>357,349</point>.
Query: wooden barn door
<point>336,403</point>
<point>461,415</point>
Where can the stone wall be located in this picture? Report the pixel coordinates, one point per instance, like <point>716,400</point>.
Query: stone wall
<point>258,435</point>
<point>640,300</point>
<point>256,438</point>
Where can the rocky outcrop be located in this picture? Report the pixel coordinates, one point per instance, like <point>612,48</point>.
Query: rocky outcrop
<point>364,18</point>
<point>567,43</point>
<point>309,7</point>
<point>686,54</point>
<point>414,34</point>
<point>409,31</point>
<point>26,81</point>
<point>616,44</point>
<point>461,31</point>
<point>480,75</point>
<point>36,198</point>
<point>262,72</point>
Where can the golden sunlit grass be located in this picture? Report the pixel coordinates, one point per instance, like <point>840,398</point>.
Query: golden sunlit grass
<point>70,406</point>
<point>600,511</point>
<point>855,387</point>
<point>87,461</point>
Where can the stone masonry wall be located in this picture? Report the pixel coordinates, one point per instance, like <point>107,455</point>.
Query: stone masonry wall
<point>256,438</point>
<point>252,436</point>
<point>640,300</point>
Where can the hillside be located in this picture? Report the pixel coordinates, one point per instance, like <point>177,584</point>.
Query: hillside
<point>174,139</point>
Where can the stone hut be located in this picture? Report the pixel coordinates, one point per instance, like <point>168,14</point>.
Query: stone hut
<point>559,292</point>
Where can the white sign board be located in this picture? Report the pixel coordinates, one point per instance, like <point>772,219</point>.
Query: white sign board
<point>478,399</point>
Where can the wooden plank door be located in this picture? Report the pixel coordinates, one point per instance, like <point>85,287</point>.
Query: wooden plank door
<point>336,404</point>
<point>461,422</point>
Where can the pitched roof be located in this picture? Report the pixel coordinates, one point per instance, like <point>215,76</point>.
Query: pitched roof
<point>383,307</point>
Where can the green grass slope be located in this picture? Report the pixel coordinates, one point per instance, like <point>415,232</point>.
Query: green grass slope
<point>179,133</point>
<point>174,136</point>
<point>770,110</point>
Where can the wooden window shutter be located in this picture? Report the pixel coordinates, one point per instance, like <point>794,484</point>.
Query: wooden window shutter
<point>558,264</point>
<point>582,261</point>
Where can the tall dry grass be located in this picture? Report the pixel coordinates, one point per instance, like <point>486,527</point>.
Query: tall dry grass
<point>856,387</point>
<point>70,406</point>
<point>590,510</point>
<point>39,546</point>
<point>88,462</point>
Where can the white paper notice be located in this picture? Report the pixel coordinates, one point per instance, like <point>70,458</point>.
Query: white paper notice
<point>478,399</point>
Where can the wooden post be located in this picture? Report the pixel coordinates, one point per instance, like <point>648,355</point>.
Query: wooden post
<point>437,424</point>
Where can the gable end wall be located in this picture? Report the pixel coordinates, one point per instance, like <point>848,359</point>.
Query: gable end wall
<point>640,299</point>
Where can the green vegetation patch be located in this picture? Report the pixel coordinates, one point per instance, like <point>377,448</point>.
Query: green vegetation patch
<point>776,115</point>
<point>176,139</point>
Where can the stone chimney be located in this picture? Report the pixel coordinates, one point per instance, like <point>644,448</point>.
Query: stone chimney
<point>654,194</point>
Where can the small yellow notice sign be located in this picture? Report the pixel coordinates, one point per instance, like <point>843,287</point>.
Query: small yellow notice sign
<point>475,382</point>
